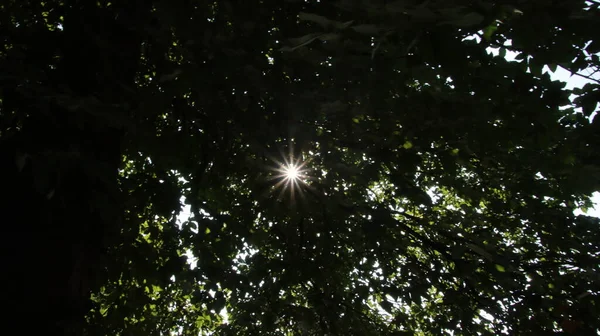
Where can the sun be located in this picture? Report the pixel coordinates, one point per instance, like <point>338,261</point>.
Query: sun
<point>292,172</point>
<point>291,176</point>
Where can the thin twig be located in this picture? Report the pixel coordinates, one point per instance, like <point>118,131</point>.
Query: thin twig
<point>596,80</point>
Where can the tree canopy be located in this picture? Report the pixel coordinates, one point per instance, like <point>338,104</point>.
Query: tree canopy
<point>434,182</point>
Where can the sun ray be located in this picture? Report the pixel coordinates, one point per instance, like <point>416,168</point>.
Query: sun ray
<point>291,176</point>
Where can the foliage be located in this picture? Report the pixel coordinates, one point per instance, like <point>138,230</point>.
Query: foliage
<point>438,186</point>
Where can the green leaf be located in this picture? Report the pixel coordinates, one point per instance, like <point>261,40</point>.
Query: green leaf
<point>367,29</point>
<point>323,21</point>
<point>329,37</point>
<point>468,20</point>
<point>535,67</point>
<point>301,41</point>
<point>398,6</point>
<point>489,31</point>
<point>318,19</point>
<point>386,306</point>
<point>422,13</point>
<point>480,251</point>
<point>502,52</point>
<point>588,103</point>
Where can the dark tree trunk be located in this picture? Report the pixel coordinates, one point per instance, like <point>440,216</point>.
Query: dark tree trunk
<point>59,170</point>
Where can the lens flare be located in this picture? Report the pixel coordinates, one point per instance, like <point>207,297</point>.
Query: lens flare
<point>290,175</point>
<point>292,172</point>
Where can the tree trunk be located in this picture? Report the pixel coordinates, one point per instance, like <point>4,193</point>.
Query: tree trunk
<point>59,171</point>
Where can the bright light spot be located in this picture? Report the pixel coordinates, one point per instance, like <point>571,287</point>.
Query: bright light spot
<point>292,172</point>
<point>291,176</point>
